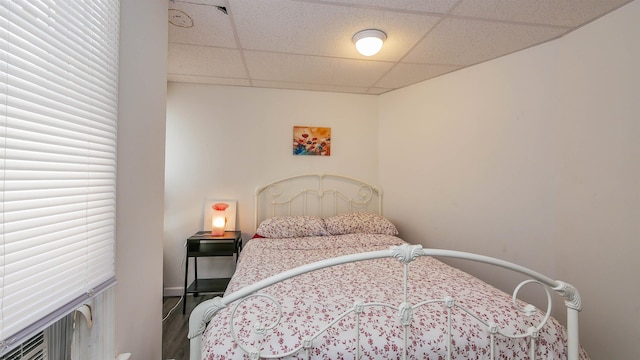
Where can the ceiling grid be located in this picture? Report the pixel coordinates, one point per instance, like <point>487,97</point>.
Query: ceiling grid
<point>307,44</point>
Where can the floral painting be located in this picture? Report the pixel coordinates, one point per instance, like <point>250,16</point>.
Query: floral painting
<point>309,140</point>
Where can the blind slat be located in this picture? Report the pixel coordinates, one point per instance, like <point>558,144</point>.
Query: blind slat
<point>58,133</point>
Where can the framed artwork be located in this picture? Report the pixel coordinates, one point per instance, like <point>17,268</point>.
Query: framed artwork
<point>308,140</point>
<point>229,211</point>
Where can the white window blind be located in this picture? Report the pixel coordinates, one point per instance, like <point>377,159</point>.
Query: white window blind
<point>58,116</point>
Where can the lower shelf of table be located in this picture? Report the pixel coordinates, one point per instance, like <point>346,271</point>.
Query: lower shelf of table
<point>208,285</point>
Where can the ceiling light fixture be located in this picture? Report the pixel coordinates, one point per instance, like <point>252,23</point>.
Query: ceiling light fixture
<point>369,42</point>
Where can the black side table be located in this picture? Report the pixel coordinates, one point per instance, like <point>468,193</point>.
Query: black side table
<point>203,244</point>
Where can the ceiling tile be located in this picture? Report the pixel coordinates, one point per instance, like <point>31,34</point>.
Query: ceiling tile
<point>432,6</point>
<point>211,27</point>
<point>467,42</point>
<point>306,86</point>
<point>406,74</point>
<point>324,30</point>
<point>376,91</point>
<point>569,13</point>
<point>201,2</point>
<point>207,80</point>
<point>205,61</point>
<point>314,69</point>
<point>306,44</point>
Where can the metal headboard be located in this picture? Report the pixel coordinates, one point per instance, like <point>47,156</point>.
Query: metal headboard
<point>316,195</point>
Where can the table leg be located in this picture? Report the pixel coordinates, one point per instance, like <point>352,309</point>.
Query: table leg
<point>184,295</point>
<point>195,273</point>
<point>237,246</point>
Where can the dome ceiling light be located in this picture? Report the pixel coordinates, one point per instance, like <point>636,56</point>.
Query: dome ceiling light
<point>369,42</point>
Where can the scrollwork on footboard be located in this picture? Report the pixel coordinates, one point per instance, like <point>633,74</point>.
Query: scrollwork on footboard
<point>570,294</point>
<point>405,311</point>
<point>406,253</point>
<point>201,315</point>
<point>259,328</point>
<point>405,317</point>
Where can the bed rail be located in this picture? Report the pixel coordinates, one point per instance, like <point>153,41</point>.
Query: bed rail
<point>205,311</point>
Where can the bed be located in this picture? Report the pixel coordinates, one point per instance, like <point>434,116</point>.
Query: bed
<point>327,277</point>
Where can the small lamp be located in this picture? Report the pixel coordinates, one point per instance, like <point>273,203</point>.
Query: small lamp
<point>218,219</point>
<point>369,42</point>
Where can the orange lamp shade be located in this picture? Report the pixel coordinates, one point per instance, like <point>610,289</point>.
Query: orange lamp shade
<point>218,219</point>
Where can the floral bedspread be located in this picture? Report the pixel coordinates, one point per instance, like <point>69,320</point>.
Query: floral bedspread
<point>311,301</point>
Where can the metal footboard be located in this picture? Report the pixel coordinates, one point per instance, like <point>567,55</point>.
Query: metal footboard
<point>205,311</point>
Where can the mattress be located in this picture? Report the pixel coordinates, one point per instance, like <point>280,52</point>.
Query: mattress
<point>311,301</point>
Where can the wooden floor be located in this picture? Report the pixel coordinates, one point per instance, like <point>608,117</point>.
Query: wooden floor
<point>175,344</point>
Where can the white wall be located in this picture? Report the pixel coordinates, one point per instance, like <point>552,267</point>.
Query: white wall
<point>224,142</point>
<point>534,158</point>
<point>141,129</point>
<point>598,198</point>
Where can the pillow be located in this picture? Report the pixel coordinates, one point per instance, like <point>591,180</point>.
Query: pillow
<point>359,223</point>
<point>292,226</point>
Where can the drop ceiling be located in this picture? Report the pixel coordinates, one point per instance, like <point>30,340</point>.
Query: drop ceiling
<point>306,44</point>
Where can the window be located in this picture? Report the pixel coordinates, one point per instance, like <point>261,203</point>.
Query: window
<point>58,116</point>
<point>32,349</point>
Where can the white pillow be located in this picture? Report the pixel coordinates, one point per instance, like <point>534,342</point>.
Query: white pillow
<point>359,223</point>
<point>292,226</point>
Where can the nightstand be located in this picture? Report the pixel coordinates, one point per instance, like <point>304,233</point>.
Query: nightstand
<point>203,244</point>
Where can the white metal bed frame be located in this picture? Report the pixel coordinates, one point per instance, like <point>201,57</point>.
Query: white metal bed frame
<point>316,195</point>
<point>369,198</point>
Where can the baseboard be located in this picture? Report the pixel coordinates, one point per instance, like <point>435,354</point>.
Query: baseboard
<point>173,291</point>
